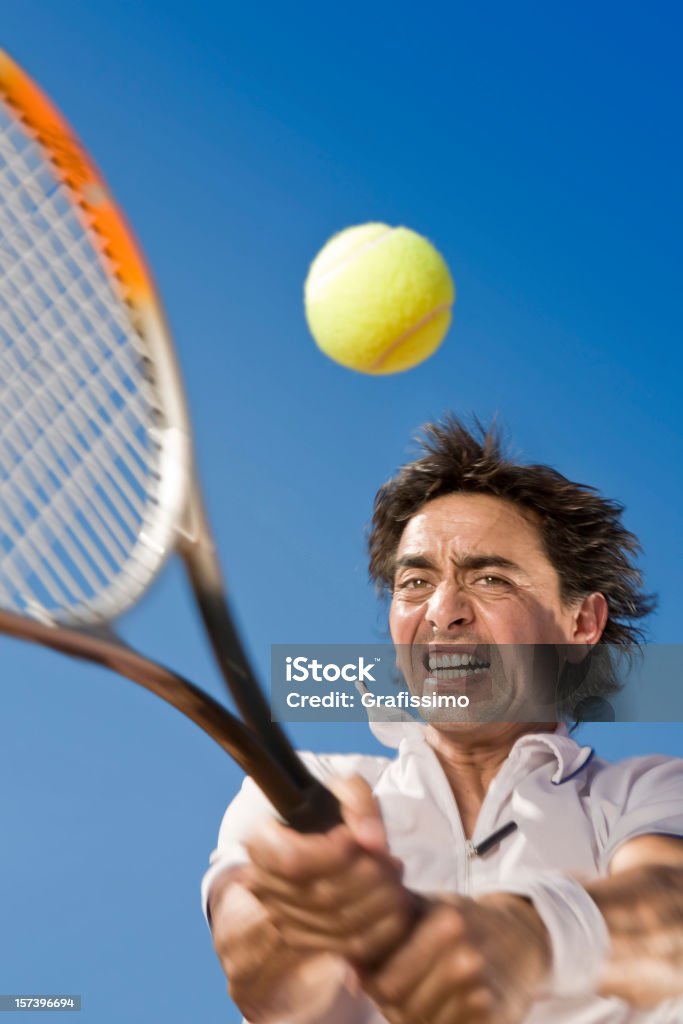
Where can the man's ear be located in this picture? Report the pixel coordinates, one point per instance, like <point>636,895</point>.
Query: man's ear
<point>590,619</point>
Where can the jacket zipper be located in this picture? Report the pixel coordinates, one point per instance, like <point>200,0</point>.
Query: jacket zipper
<point>472,852</point>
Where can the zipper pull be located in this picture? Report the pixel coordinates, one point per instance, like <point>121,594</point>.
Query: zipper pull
<point>483,847</point>
<point>493,840</point>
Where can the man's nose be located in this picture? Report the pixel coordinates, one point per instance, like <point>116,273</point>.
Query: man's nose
<point>449,607</point>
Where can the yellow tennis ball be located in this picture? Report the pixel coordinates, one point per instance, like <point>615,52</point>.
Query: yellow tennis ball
<point>378,299</point>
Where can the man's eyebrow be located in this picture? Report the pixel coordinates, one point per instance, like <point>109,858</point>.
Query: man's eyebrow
<point>471,562</point>
<point>488,562</point>
<point>412,562</point>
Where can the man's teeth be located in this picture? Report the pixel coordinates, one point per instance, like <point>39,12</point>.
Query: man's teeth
<point>453,660</point>
<point>455,666</point>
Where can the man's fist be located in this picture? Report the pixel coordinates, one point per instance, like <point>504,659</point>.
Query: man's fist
<point>338,892</point>
<point>474,962</point>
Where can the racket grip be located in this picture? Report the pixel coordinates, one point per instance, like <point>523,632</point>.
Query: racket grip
<point>318,810</point>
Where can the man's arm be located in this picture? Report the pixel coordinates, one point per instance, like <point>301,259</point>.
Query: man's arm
<point>287,924</point>
<point>642,903</point>
<point>341,894</point>
<point>267,979</point>
<point>488,959</point>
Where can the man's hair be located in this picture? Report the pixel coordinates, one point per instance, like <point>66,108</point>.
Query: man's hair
<point>582,532</point>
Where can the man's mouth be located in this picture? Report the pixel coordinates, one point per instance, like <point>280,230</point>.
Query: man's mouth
<point>442,665</point>
<point>456,666</point>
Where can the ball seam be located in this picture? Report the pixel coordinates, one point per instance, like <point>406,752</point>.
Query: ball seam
<point>379,362</point>
<point>317,286</point>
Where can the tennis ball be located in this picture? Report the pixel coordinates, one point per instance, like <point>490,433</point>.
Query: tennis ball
<point>378,299</point>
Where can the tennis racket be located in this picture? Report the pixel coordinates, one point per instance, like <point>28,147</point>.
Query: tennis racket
<point>98,485</point>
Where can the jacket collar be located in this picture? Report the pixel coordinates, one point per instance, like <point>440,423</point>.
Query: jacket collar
<point>568,755</point>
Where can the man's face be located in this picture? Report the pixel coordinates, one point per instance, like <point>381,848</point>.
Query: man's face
<point>470,571</point>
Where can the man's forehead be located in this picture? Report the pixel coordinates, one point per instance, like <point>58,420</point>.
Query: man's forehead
<point>470,522</point>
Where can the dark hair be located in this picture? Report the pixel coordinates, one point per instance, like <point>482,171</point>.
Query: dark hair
<point>582,532</point>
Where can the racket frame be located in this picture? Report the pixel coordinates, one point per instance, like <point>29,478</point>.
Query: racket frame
<point>180,522</point>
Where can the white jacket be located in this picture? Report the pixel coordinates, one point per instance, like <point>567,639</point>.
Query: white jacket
<point>572,810</point>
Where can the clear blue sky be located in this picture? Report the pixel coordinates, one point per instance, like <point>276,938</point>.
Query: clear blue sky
<point>538,146</point>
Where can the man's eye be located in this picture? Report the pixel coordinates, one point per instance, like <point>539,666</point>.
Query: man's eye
<point>412,583</point>
<point>493,581</point>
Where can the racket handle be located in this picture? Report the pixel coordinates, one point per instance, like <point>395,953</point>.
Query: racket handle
<point>318,810</point>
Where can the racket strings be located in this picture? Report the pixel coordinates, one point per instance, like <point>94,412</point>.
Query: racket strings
<point>78,452</point>
<point>40,474</point>
<point>68,287</point>
<point>57,364</point>
<point>34,436</point>
<point>72,295</point>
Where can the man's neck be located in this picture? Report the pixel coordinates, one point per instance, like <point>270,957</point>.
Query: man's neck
<point>472,757</point>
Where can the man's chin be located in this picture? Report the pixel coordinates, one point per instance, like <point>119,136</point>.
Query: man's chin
<point>488,730</point>
<point>487,710</point>
<point>458,727</point>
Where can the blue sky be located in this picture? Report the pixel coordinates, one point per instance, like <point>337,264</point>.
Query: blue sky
<point>537,146</point>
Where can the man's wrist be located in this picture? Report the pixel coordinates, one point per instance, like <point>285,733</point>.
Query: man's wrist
<point>578,934</point>
<point>520,918</point>
<point>303,989</point>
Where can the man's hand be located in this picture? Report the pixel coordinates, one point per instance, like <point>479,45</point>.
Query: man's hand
<point>474,962</point>
<point>266,979</point>
<point>339,893</point>
<point>286,925</point>
<point>642,903</point>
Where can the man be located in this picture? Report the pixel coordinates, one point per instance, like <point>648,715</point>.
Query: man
<point>494,871</point>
